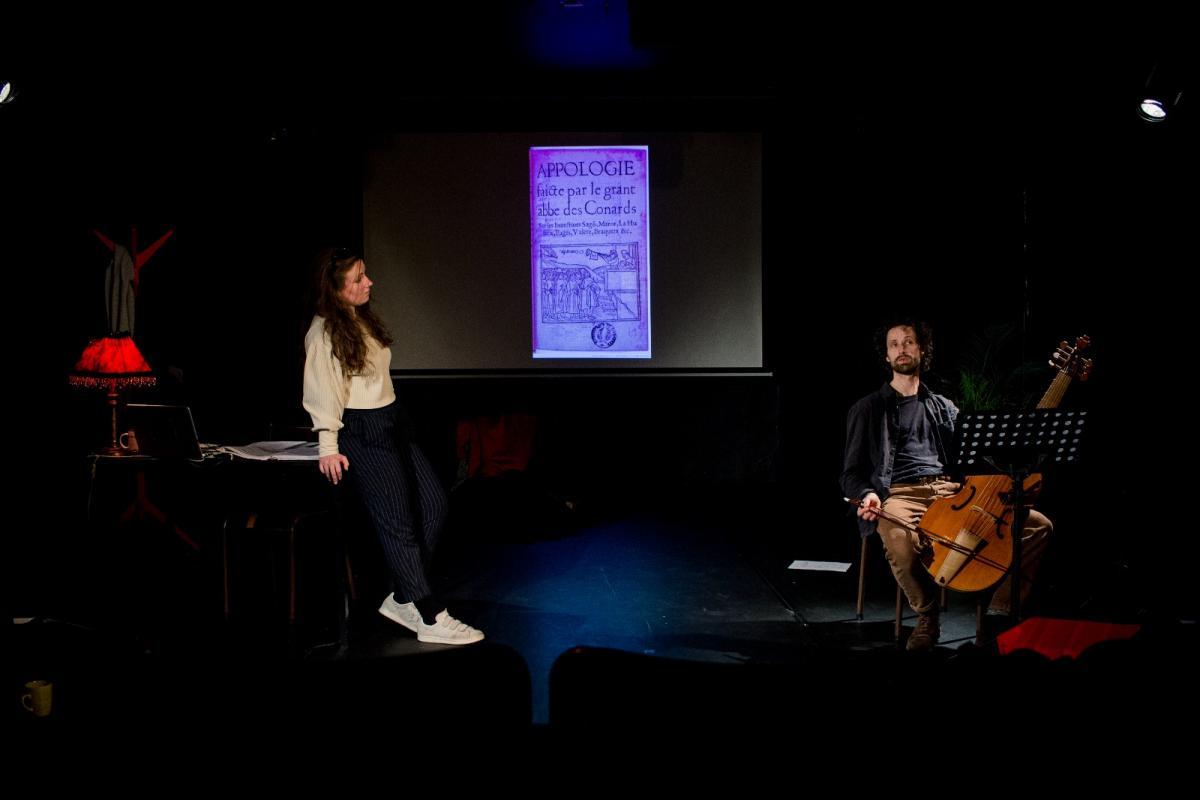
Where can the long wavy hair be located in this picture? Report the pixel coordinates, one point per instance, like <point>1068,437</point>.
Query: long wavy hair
<point>346,325</point>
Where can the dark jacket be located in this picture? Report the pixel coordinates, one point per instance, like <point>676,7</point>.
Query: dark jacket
<point>871,442</point>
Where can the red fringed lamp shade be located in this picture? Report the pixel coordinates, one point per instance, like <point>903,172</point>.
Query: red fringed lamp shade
<point>112,364</point>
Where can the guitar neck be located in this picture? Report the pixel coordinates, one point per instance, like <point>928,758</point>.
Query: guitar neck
<point>1054,395</point>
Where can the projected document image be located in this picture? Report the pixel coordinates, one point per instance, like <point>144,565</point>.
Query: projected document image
<point>590,230</point>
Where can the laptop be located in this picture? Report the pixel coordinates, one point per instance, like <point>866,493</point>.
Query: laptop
<point>163,431</point>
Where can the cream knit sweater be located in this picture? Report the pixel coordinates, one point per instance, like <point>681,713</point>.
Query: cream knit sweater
<point>327,393</point>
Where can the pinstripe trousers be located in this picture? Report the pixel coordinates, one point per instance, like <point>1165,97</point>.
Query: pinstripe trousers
<point>391,472</point>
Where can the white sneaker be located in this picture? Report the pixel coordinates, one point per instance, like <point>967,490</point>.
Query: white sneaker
<point>447,630</point>
<point>404,613</point>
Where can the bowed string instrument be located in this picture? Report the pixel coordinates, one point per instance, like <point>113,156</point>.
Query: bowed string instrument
<point>966,538</point>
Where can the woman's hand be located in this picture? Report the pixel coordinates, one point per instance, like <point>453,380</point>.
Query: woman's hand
<point>332,466</point>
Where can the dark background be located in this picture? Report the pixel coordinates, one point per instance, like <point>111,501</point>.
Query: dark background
<point>985,170</point>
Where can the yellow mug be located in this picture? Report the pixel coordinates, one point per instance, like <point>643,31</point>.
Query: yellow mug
<point>37,698</point>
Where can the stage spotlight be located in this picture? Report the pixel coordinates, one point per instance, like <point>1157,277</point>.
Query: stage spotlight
<point>1161,94</point>
<point>1152,110</point>
<point>8,92</point>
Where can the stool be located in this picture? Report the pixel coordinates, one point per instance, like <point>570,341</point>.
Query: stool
<point>862,591</point>
<point>289,526</point>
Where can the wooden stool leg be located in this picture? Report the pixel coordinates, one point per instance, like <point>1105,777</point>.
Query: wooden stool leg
<point>350,580</point>
<point>899,611</point>
<point>291,547</point>
<point>225,578</point>
<point>862,580</point>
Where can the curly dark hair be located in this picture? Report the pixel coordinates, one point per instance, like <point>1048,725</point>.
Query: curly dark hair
<point>345,324</point>
<point>922,330</point>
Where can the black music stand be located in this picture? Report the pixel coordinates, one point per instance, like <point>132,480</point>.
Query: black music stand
<point>1017,445</point>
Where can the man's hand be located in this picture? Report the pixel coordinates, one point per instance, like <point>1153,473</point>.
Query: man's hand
<point>870,506</point>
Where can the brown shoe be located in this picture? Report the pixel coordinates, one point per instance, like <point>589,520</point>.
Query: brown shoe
<point>925,635</point>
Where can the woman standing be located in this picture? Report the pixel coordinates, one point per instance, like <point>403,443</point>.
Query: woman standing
<point>348,391</point>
